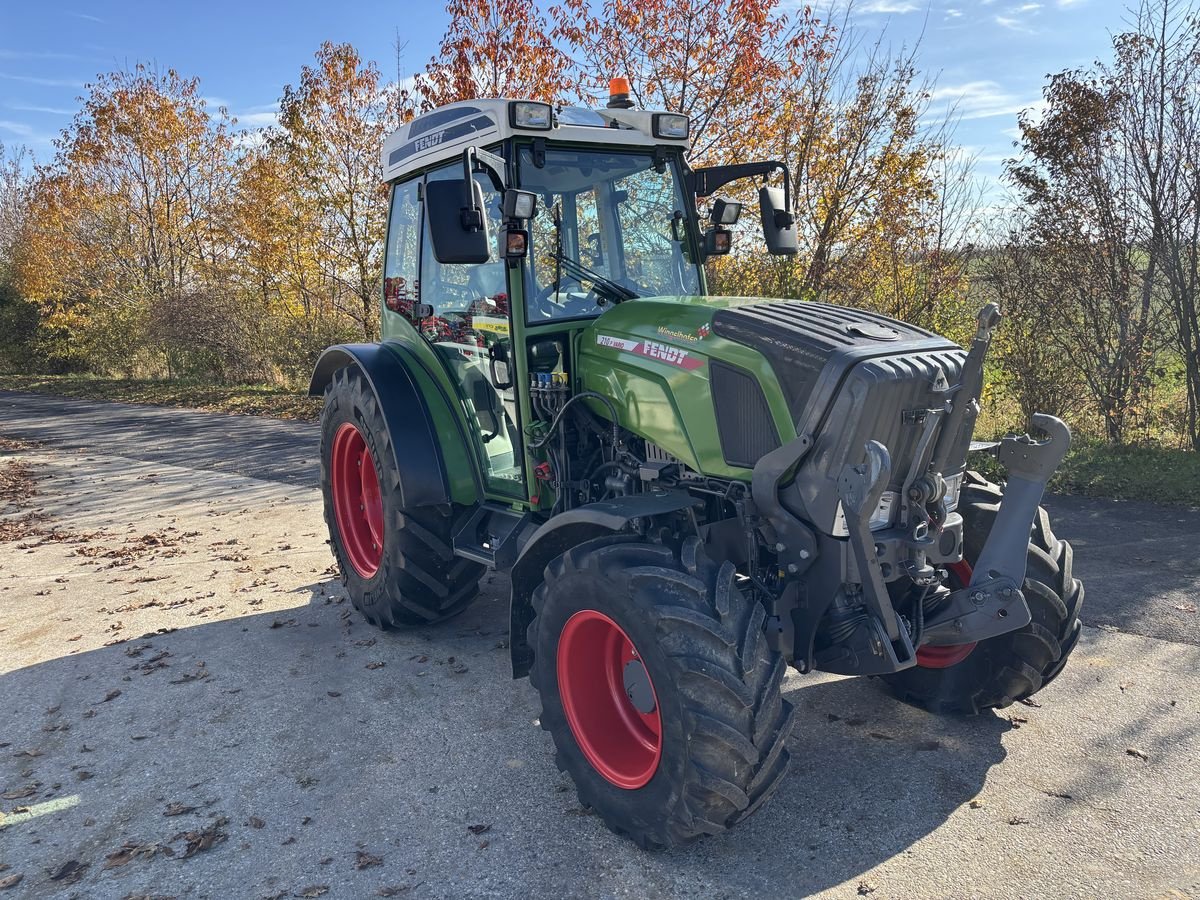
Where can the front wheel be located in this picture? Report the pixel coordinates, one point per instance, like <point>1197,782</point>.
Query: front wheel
<point>1013,666</point>
<point>658,688</point>
<point>398,564</point>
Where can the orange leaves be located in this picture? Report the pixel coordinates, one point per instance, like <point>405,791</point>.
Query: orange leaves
<point>494,48</point>
<point>726,63</point>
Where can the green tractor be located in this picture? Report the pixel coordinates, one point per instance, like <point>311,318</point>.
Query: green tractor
<point>688,493</point>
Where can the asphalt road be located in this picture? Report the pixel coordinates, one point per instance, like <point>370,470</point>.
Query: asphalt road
<point>189,707</point>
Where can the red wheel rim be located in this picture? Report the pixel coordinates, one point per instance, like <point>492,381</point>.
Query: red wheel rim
<point>357,504</point>
<point>951,654</point>
<point>622,743</point>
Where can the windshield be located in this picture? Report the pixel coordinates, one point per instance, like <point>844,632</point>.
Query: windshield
<point>608,227</point>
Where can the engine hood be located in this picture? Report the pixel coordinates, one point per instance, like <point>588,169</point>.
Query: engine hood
<point>719,381</point>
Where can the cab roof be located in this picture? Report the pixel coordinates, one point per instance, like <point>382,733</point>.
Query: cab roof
<point>443,133</point>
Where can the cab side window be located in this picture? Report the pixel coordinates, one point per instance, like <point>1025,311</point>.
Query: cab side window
<point>469,301</point>
<point>401,281</point>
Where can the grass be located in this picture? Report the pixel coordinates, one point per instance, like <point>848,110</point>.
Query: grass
<point>1091,469</point>
<point>243,399</point>
<point>1139,472</point>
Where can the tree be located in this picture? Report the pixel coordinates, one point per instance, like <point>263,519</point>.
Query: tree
<point>332,126</point>
<point>125,217</point>
<point>1157,118</point>
<point>493,48</point>
<point>18,319</point>
<point>727,64</point>
<point>1097,263</point>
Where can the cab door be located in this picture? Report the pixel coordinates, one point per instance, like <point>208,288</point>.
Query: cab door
<point>470,327</point>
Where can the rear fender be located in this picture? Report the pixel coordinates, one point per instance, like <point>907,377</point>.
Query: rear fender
<point>561,533</point>
<point>417,413</point>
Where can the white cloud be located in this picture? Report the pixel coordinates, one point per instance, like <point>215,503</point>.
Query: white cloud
<point>888,7</point>
<point>1012,24</point>
<point>978,100</point>
<point>37,54</point>
<point>953,13</point>
<point>50,110</point>
<point>44,82</point>
<point>87,17</point>
<point>257,119</point>
<point>18,128</point>
<point>1027,7</point>
<point>1064,4</point>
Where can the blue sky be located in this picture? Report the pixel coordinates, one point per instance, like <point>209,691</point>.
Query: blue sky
<point>989,56</point>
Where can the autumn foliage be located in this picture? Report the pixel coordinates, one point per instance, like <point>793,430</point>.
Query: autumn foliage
<point>162,238</point>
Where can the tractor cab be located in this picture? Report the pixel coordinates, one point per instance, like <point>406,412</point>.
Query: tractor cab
<point>514,225</point>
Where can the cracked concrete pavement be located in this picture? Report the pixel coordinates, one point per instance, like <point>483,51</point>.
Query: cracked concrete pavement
<point>189,707</point>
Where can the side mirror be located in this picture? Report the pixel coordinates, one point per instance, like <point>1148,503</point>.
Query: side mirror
<point>779,229</point>
<point>459,231</point>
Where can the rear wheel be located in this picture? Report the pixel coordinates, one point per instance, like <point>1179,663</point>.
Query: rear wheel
<point>397,564</point>
<point>658,688</point>
<point>1014,666</point>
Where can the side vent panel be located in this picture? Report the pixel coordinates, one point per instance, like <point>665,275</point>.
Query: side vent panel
<point>744,421</point>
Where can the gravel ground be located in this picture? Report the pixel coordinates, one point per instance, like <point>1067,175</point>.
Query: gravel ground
<point>189,707</point>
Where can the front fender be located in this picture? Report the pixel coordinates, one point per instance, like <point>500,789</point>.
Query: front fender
<point>418,417</point>
<point>558,535</point>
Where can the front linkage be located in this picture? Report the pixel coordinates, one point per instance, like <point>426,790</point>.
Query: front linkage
<point>827,584</point>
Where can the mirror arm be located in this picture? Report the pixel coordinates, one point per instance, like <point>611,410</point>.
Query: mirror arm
<point>706,181</point>
<point>477,160</point>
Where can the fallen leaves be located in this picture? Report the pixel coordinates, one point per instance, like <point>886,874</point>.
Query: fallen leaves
<point>199,675</point>
<point>204,839</point>
<point>375,665</point>
<point>178,809</point>
<point>479,829</point>
<point>69,872</point>
<point>10,881</point>
<point>364,860</point>
<point>128,852</point>
<point>20,793</point>
<point>313,890</point>
<point>17,483</point>
<point>1139,754</point>
<point>13,445</point>
<point>256,822</point>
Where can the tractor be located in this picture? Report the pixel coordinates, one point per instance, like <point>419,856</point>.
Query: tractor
<point>688,493</point>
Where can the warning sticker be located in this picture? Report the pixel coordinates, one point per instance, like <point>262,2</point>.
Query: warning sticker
<point>490,323</point>
<point>675,356</point>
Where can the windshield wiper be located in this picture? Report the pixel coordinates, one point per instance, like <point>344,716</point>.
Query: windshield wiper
<point>601,284</point>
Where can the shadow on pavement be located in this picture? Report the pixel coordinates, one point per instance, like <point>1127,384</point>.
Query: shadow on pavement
<point>304,738</point>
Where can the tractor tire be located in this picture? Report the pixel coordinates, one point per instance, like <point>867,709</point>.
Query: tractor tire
<point>1009,667</point>
<point>397,564</point>
<point>658,688</point>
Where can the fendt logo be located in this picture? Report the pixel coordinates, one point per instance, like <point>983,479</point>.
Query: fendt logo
<point>674,356</point>
<point>429,140</point>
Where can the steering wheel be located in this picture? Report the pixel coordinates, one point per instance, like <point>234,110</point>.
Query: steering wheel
<point>543,304</point>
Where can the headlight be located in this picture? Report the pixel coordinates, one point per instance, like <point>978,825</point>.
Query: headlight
<point>670,125</point>
<point>881,518</point>
<point>953,488</point>
<point>530,115</point>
